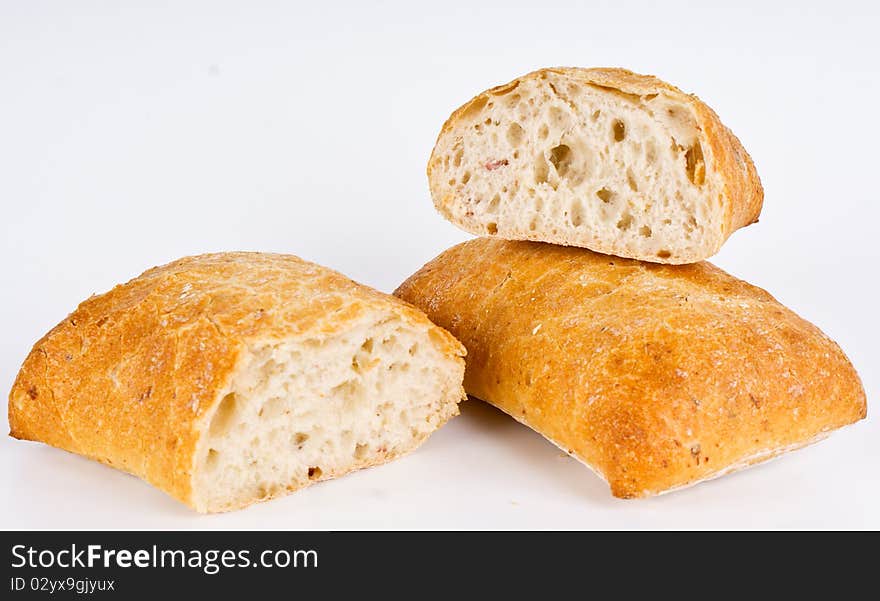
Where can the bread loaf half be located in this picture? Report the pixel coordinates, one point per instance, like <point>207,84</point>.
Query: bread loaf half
<point>606,159</point>
<point>231,378</point>
<point>655,376</point>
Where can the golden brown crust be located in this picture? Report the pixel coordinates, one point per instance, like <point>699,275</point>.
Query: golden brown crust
<point>743,194</point>
<point>128,376</point>
<point>657,376</point>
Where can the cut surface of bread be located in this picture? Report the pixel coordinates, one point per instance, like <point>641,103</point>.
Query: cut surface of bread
<point>605,159</point>
<point>655,376</point>
<point>304,410</point>
<point>231,378</point>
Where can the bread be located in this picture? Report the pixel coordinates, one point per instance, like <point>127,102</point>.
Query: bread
<point>226,379</point>
<point>655,376</point>
<point>605,159</point>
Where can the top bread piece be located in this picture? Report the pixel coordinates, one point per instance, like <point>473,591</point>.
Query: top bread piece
<point>606,159</point>
<point>134,377</point>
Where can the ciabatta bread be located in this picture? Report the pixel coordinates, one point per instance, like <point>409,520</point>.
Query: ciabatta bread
<point>606,159</point>
<point>231,378</point>
<point>656,376</point>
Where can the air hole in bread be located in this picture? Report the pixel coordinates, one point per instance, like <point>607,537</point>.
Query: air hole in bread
<point>300,438</point>
<point>664,254</point>
<point>475,107</point>
<point>362,361</point>
<point>505,89</point>
<point>595,115</point>
<point>494,204</point>
<point>624,222</point>
<point>542,170</point>
<point>361,450</point>
<point>348,388</point>
<point>558,116</point>
<point>492,228</point>
<point>631,180</point>
<point>543,131</point>
<point>645,231</point>
<point>696,167</point>
<point>604,194</point>
<point>224,416</point>
<point>650,152</point>
<point>515,134</point>
<point>560,157</point>
<point>315,473</point>
<point>466,177</point>
<point>576,214</point>
<point>457,157</point>
<point>619,129</point>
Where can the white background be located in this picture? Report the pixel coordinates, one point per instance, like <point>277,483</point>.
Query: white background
<point>135,133</point>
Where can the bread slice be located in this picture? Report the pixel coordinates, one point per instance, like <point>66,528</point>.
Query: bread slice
<point>606,159</point>
<point>226,379</point>
<point>655,376</point>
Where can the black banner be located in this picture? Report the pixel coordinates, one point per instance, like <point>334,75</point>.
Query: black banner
<point>126,565</point>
